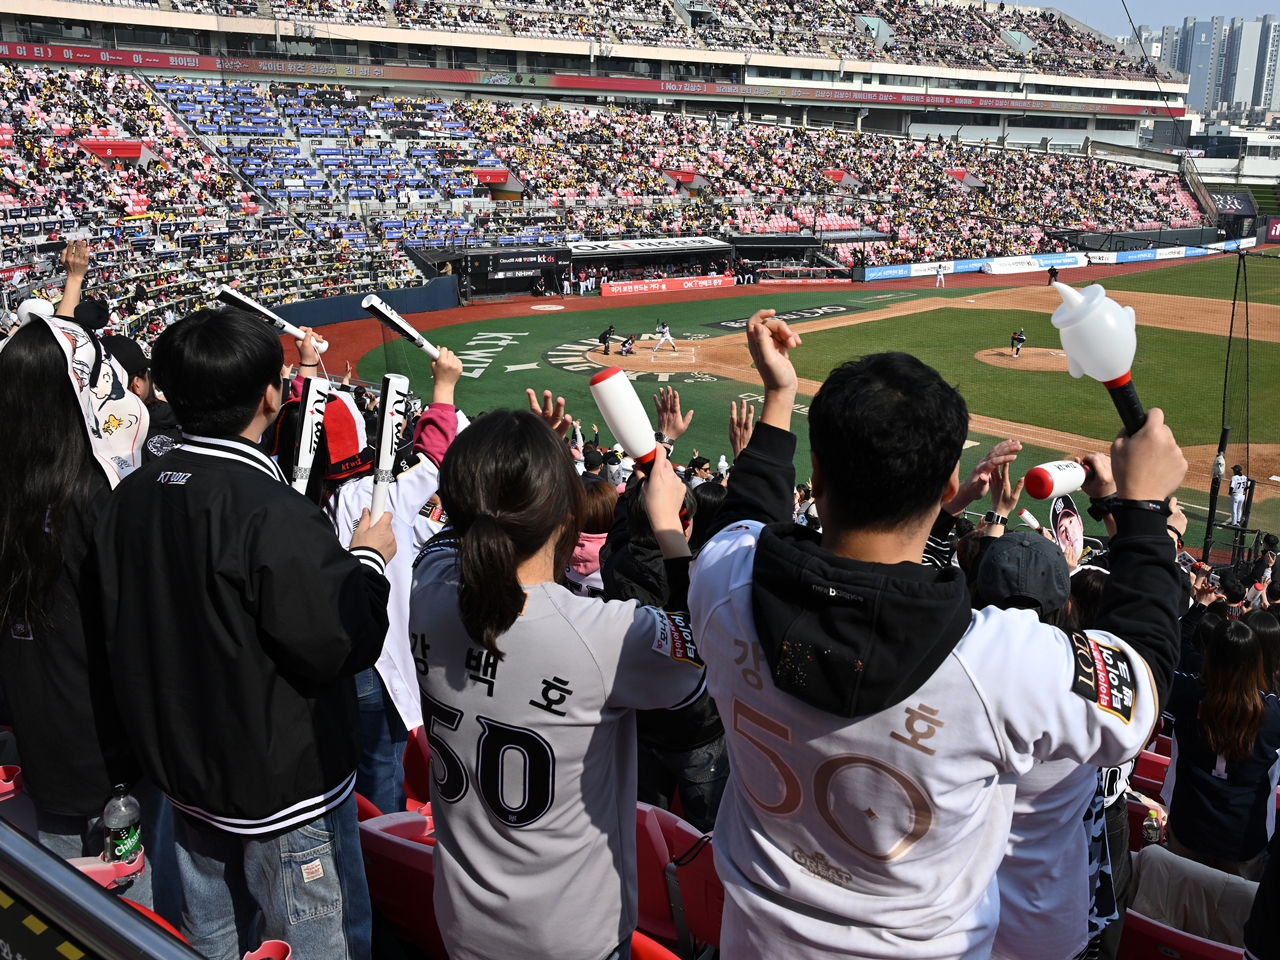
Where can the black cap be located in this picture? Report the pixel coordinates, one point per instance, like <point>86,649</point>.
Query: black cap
<point>593,459</point>
<point>128,354</point>
<point>92,314</point>
<point>1024,564</point>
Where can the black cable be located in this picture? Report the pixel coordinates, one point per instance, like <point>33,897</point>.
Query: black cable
<point>1155,73</point>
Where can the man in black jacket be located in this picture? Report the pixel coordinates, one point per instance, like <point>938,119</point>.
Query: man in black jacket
<point>875,721</point>
<point>234,624</point>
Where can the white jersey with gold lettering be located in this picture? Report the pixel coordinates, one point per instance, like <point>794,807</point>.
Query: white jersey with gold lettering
<point>879,837</point>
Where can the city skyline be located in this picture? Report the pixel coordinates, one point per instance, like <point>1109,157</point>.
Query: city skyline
<point>1108,15</point>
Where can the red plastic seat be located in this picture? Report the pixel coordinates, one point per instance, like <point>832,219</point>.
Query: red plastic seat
<point>155,918</point>
<point>1149,773</point>
<point>1164,746</point>
<point>365,810</point>
<point>701,891</point>
<point>652,858</point>
<point>1145,939</point>
<point>417,766</point>
<point>271,950</point>
<point>642,948</point>
<point>1137,817</point>
<point>398,854</point>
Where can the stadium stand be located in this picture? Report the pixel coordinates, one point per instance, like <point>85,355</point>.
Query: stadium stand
<point>268,173</point>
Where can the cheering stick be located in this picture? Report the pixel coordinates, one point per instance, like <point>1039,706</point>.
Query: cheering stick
<point>315,394</point>
<point>624,414</point>
<point>1057,477</point>
<point>1100,337</point>
<point>376,306</point>
<point>238,300</point>
<point>391,413</point>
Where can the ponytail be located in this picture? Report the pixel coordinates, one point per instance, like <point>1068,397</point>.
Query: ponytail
<point>489,593</point>
<point>508,485</point>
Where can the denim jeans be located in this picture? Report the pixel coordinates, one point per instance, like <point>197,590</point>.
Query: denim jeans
<point>622,951</point>
<point>157,887</point>
<point>308,883</point>
<point>699,774</point>
<point>380,776</point>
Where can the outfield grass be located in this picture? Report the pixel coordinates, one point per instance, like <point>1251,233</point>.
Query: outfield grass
<point>1214,279</point>
<point>1175,370</point>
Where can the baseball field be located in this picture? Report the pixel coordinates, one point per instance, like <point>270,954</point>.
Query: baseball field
<point>1184,314</point>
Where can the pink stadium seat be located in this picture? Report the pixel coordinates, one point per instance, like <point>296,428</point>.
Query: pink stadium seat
<point>271,950</point>
<point>417,766</point>
<point>700,890</point>
<point>652,858</point>
<point>1164,746</point>
<point>398,851</point>
<point>1145,939</point>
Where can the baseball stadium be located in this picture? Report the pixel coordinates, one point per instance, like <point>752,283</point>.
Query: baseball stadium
<point>319,638</point>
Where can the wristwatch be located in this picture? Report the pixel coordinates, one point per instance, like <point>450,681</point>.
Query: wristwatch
<point>663,438</point>
<point>993,517</point>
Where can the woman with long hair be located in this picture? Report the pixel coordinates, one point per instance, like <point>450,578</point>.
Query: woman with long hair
<point>1221,790</point>
<point>529,695</point>
<point>1267,628</point>
<point>73,745</point>
<point>599,502</point>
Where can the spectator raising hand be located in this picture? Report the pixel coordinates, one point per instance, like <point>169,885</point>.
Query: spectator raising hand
<point>979,480</point>
<point>670,421</point>
<point>740,426</point>
<point>552,413</point>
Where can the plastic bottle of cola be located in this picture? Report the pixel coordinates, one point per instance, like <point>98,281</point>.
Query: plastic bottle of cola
<point>1151,829</point>
<point>120,820</point>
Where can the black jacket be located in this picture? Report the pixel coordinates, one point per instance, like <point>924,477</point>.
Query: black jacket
<point>163,432</point>
<point>631,572</point>
<point>234,624</point>
<point>74,746</point>
<point>853,638</point>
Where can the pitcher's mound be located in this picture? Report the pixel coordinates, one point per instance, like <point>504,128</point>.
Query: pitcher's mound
<point>1031,358</point>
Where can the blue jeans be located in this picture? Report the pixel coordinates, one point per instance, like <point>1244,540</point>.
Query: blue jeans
<point>380,776</point>
<point>157,888</point>
<point>699,774</point>
<point>308,884</point>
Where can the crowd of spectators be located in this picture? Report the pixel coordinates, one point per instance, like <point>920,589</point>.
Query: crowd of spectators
<point>273,163</point>
<point>454,18</point>
<point>1041,673</point>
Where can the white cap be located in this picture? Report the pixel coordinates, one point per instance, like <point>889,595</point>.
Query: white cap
<point>35,307</point>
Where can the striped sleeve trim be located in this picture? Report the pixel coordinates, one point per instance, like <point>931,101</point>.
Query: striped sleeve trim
<point>371,557</point>
<point>295,816</point>
<point>702,685</point>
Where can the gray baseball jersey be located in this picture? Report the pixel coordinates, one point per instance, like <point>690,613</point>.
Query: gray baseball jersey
<point>533,760</point>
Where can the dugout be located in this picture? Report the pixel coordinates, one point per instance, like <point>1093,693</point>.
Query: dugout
<point>673,256</point>
<point>505,270</point>
<point>792,256</point>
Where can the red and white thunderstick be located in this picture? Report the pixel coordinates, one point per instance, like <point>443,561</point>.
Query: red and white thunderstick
<point>393,409</point>
<point>1029,518</point>
<point>1100,338</point>
<point>375,305</point>
<point>624,414</point>
<point>315,394</point>
<point>1056,478</point>
<point>238,300</point>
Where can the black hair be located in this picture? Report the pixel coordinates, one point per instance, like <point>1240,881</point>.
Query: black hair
<point>639,528</point>
<point>46,468</point>
<point>1086,596</point>
<point>710,498</point>
<point>1203,632</point>
<point>887,431</point>
<point>214,367</point>
<point>1232,709</point>
<point>1267,629</point>
<point>1220,609</point>
<point>1233,590</point>
<point>508,485</point>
